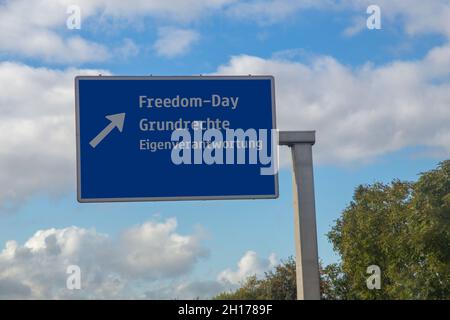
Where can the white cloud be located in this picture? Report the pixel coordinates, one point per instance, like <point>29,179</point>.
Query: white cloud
<point>175,10</point>
<point>150,261</point>
<point>250,264</point>
<point>28,28</point>
<point>109,268</point>
<point>37,29</point>
<point>155,250</point>
<point>127,49</point>
<point>13,289</point>
<point>360,113</point>
<point>417,16</point>
<point>357,25</point>
<point>174,42</point>
<point>37,153</point>
<point>271,11</point>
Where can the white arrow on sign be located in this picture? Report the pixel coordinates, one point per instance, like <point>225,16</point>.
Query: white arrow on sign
<point>117,121</point>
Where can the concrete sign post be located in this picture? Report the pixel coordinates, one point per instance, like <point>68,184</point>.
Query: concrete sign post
<point>307,259</point>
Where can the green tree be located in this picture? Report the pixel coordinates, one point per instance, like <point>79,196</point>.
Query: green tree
<point>402,227</point>
<point>333,284</point>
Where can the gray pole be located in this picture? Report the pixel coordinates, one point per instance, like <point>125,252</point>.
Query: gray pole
<point>307,259</point>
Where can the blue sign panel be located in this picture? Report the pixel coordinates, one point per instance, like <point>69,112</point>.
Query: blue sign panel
<point>175,138</point>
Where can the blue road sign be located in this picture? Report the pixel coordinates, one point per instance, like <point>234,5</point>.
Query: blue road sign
<point>175,138</point>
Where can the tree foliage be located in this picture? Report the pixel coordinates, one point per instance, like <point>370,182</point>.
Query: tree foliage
<point>402,227</point>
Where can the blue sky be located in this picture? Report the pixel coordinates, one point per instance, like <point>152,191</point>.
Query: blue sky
<point>379,100</point>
